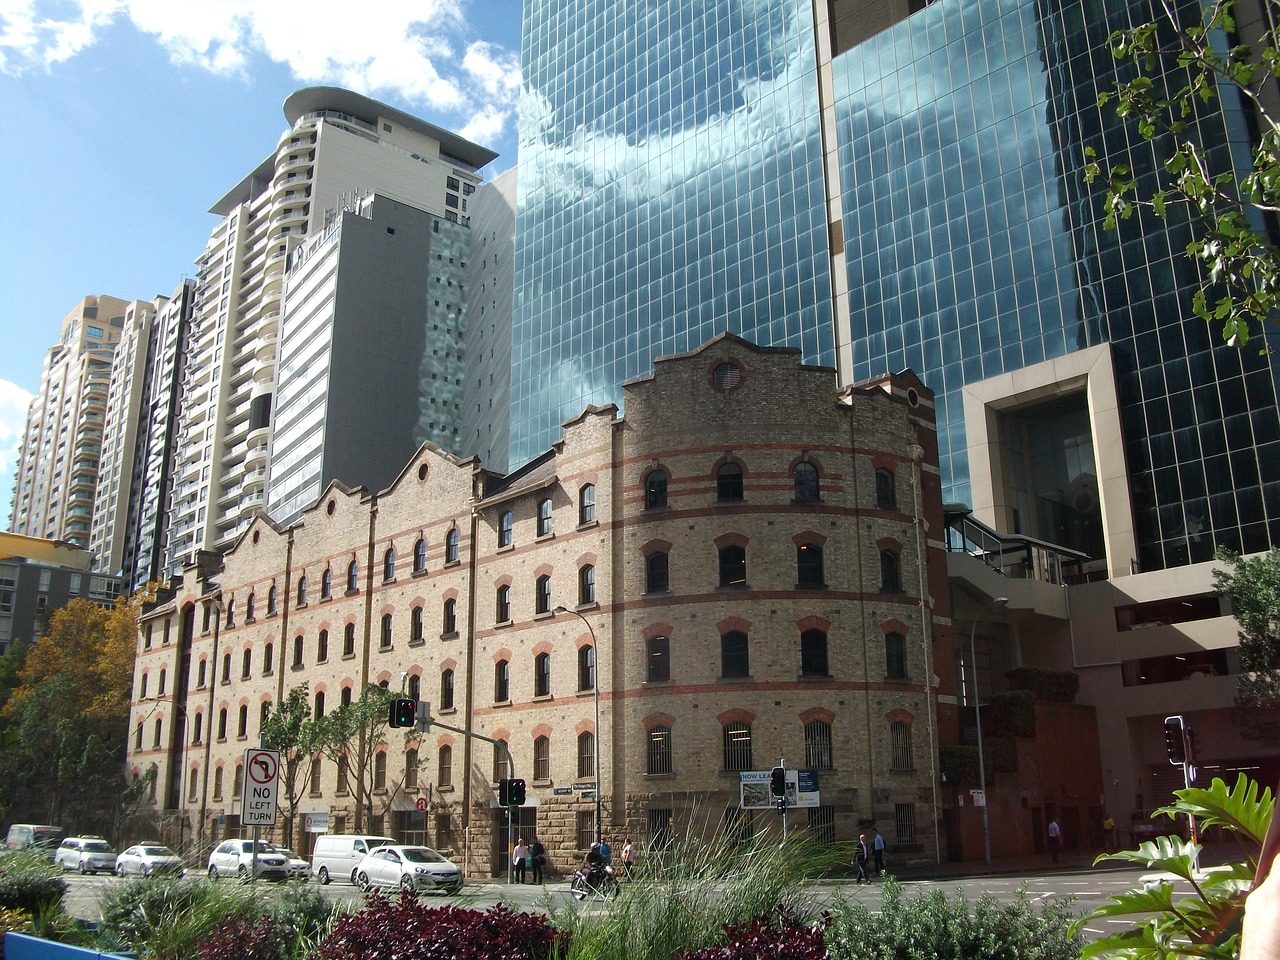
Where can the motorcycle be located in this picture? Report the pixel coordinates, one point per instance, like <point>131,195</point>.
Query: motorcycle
<point>594,881</point>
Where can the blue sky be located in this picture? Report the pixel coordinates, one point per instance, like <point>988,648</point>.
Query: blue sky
<point>125,120</point>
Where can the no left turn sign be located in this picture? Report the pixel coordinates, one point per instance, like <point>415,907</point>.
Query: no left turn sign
<point>258,802</point>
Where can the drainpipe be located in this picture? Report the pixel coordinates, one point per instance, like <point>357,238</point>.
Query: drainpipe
<point>926,625</point>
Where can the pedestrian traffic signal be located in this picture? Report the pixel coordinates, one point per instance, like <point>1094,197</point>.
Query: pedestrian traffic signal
<point>516,791</point>
<point>778,782</point>
<point>403,712</point>
<point>504,793</point>
<point>781,804</point>
<point>1175,739</point>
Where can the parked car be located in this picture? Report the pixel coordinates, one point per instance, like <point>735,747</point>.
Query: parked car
<point>86,854</point>
<point>41,837</point>
<point>147,859</point>
<point>336,854</point>
<point>413,868</point>
<point>299,868</point>
<point>234,858</point>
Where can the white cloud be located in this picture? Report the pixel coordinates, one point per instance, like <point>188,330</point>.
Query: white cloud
<point>420,51</point>
<point>13,422</point>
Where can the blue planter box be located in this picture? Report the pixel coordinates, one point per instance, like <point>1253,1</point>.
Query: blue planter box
<point>21,946</point>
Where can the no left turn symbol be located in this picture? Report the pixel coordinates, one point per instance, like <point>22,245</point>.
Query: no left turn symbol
<point>262,767</point>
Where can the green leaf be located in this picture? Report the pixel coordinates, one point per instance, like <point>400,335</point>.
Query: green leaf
<point>1241,808</point>
<point>1170,854</point>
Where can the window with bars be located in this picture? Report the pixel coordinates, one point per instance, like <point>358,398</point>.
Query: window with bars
<point>586,754</point>
<point>904,822</point>
<point>817,745</point>
<point>586,829</point>
<point>822,825</point>
<point>658,755</point>
<point>737,746</point>
<point>900,757</point>
<point>542,758</point>
<point>738,825</point>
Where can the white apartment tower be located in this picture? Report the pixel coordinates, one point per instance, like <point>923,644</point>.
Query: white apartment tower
<point>340,147</point>
<point>57,475</point>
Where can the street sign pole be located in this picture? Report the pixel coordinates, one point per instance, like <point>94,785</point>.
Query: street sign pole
<point>258,799</point>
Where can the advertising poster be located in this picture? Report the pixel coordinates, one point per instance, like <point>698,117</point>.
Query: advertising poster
<point>802,789</point>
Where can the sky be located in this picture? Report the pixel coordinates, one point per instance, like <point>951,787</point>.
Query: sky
<point>126,120</point>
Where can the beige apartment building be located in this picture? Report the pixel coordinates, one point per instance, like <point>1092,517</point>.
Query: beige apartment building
<point>736,574</point>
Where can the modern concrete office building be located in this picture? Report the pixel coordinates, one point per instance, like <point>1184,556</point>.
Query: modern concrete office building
<point>57,474</point>
<point>898,185</point>
<point>340,148</point>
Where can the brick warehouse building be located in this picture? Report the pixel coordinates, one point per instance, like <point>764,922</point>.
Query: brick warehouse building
<point>755,552</point>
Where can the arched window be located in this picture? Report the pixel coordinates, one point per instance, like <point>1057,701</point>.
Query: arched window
<point>451,546</point>
<point>655,489</point>
<point>586,584</point>
<point>346,696</point>
<point>271,600</point>
<point>587,504</point>
<point>389,564</point>
<point>222,724</point>
<point>501,766</point>
<point>217,783</point>
<point>735,659</point>
<point>142,689</point>
<point>246,669</point>
<point>237,780</point>
<point>886,497</point>
<point>506,527</point>
<point>302,590</point>
<point>415,625</point>
<point>658,659</point>
<point>544,517</point>
<point>586,668</point>
<point>813,653</point>
<point>380,770</point>
<point>502,604</point>
<point>415,688</point>
<point>586,755</point>
<point>737,746</point>
<point>192,783</point>
<point>420,555</point>
<point>137,737</point>
<point>805,477</point>
<point>542,758</point>
<point>322,646</point>
<point>249,606</point>
<point>157,729</point>
<point>264,711</point>
<point>199,728</point>
<point>729,482</point>
<point>446,689</point>
<point>501,682</point>
<point>655,573</point>
<point>297,652</point>
<point>268,654</point>
<point>890,580</point>
<point>542,594</point>
<point>353,576</point>
<point>318,710</point>
<point>449,622</point>
<point>385,636</point>
<point>242,724</point>
<point>809,570</point>
<point>231,613</point>
<point>542,675</point>
<point>817,745</point>
<point>900,746</point>
<point>326,583</point>
<point>411,769</point>
<point>895,656</point>
<point>203,671</point>
<point>733,566</point>
<point>349,640</point>
<point>226,668</point>
<point>444,767</point>
<point>658,755</point>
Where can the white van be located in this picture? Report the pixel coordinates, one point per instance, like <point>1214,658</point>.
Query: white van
<point>335,855</point>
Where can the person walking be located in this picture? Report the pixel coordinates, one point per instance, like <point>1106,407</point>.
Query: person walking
<point>860,856</point>
<point>518,856</point>
<point>877,850</point>
<point>538,855</point>
<point>1055,838</point>
<point>628,857</point>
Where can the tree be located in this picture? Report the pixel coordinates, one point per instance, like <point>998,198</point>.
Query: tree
<point>1175,70</point>
<point>351,735</point>
<point>290,729</point>
<point>1254,587</point>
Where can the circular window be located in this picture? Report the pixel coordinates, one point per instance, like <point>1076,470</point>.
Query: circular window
<point>330,507</point>
<point>726,376</point>
<point>422,472</point>
<point>913,398</point>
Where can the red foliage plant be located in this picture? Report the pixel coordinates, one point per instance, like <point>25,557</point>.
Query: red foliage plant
<point>777,937</point>
<point>239,939</point>
<point>407,929</point>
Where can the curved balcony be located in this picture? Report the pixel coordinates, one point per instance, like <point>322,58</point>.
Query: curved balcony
<point>256,454</point>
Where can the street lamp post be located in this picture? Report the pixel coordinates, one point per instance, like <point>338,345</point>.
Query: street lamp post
<point>977,711</point>
<point>595,656</point>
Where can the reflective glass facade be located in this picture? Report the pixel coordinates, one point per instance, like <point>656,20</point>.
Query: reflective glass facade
<point>974,249</point>
<point>670,188</point>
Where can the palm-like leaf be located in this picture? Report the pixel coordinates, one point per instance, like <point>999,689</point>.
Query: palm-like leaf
<point>1170,854</point>
<point>1242,808</point>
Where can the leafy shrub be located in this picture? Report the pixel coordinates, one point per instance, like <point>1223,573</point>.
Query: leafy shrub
<point>931,925</point>
<point>31,884</point>
<point>779,936</point>
<point>1010,714</point>
<point>1060,686</point>
<point>407,929</point>
<point>165,918</point>
<point>266,938</point>
<point>12,919</point>
<point>307,911</point>
<point>959,762</point>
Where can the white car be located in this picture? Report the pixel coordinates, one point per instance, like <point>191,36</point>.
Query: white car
<point>412,868</point>
<point>299,869</point>
<point>149,859</point>
<point>86,854</point>
<point>234,858</point>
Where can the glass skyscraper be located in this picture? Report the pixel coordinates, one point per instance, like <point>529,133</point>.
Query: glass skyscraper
<point>670,188</point>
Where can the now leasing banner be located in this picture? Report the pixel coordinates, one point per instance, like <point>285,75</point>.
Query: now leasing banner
<point>802,789</point>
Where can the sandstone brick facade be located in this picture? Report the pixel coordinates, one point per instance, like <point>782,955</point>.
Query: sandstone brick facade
<point>748,560</point>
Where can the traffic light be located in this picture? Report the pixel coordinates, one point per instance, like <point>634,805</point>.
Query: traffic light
<point>504,793</point>
<point>778,782</point>
<point>1175,739</point>
<point>516,793</point>
<point>780,805</point>
<point>403,712</point>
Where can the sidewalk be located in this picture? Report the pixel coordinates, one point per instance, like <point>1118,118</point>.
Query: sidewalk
<point>1072,861</point>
